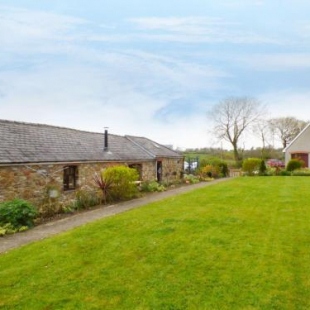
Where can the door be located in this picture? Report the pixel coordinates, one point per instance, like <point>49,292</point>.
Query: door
<point>303,157</point>
<point>159,169</point>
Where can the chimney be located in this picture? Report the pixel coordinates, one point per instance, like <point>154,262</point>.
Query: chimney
<point>106,143</point>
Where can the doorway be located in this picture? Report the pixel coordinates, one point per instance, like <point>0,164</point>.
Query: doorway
<point>304,157</point>
<point>159,170</point>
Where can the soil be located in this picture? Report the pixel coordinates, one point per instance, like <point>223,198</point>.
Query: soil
<point>64,222</point>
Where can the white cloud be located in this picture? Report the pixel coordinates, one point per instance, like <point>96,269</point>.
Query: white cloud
<point>198,30</point>
<point>23,30</point>
<point>126,74</point>
<point>122,89</point>
<point>277,61</point>
<point>36,24</point>
<point>190,25</point>
<point>87,99</point>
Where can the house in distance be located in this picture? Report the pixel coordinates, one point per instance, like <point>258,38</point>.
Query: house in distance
<point>299,148</point>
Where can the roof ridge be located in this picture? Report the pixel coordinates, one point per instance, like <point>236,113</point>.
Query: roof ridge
<point>52,126</point>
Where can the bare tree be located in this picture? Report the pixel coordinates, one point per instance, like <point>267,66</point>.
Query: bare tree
<point>232,117</point>
<point>262,130</point>
<point>286,128</point>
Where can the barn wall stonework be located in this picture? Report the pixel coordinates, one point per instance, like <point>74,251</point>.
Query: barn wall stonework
<point>172,169</point>
<point>31,182</point>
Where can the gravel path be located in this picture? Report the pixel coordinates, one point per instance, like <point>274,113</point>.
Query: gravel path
<point>9,242</point>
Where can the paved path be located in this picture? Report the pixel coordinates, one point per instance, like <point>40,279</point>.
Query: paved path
<point>9,242</point>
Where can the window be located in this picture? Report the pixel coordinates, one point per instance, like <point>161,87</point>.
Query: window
<point>138,167</point>
<point>70,177</point>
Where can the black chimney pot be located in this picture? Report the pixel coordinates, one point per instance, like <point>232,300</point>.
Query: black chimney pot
<point>106,143</point>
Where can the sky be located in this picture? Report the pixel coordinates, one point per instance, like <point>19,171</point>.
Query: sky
<point>152,68</point>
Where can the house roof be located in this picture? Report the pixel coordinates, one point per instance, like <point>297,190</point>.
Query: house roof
<point>153,148</point>
<point>36,143</point>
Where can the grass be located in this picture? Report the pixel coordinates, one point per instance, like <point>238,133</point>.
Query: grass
<point>242,244</point>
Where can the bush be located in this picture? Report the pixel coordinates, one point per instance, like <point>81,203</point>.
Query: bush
<point>301,173</point>
<point>220,168</point>
<point>152,186</point>
<point>7,229</point>
<point>17,213</point>
<point>294,164</point>
<point>208,171</point>
<point>251,165</point>
<point>190,178</point>
<point>119,183</point>
<point>262,168</point>
<point>284,173</point>
<point>224,171</point>
<point>85,199</point>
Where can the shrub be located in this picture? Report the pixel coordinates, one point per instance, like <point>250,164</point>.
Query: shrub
<point>220,167</point>
<point>223,169</point>
<point>284,173</point>
<point>262,168</point>
<point>85,199</point>
<point>103,184</point>
<point>118,183</point>
<point>7,229</point>
<point>294,164</point>
<point>190,178</point>
<point>152,186</point>
<point>301,172</point>
<point>17,213</point>
<point>251,165</point>
<point>209,171</point>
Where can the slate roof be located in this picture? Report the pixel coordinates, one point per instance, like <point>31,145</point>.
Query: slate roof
<point>37,143</point>
<point>153,147</point>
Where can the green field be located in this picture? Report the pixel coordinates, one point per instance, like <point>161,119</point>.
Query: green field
<point>241,244</point>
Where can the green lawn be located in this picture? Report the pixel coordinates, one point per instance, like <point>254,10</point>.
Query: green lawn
<point>241,244</point>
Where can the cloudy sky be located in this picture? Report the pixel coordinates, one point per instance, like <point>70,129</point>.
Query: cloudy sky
<point>151,68</point>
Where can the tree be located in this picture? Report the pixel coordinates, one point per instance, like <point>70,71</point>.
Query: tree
<point>286,128</point>
<point>262,130</point>
<point>232,117</point>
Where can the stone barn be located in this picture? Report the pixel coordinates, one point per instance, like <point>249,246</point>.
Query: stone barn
<point>35,157</point>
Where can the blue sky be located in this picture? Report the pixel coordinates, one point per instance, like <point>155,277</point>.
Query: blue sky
<point>151,68</point>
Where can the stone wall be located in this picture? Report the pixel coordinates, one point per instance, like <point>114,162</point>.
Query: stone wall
<point>26,182</point>
<point>149,171</point>
<point>172,169</point>
<point>34,182</point>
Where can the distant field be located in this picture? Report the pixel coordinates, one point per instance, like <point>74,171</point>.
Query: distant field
<point>227,157</point>
<point>241,244</point>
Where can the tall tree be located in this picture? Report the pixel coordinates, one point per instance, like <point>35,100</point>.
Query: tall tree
<point>286,128</point>
<point>232,117</point>
<point>262,130</point>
